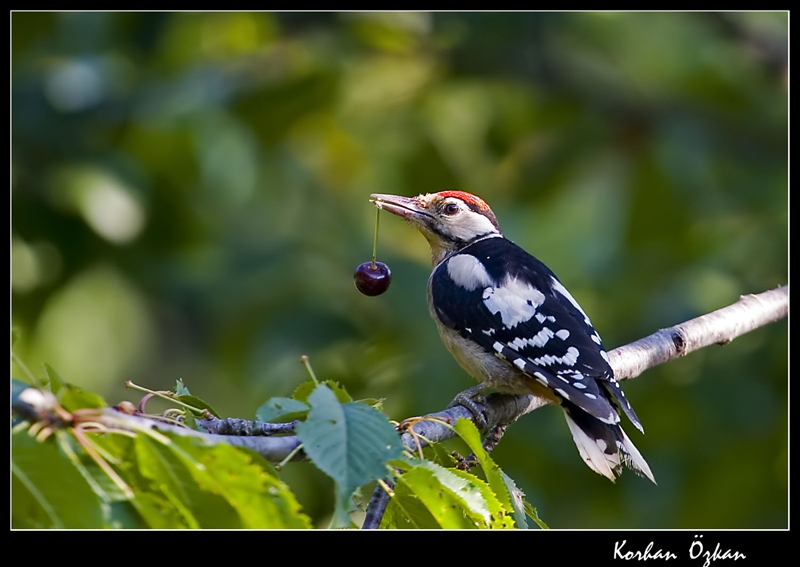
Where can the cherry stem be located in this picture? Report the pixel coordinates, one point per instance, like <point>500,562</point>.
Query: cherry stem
<point>375,242</point>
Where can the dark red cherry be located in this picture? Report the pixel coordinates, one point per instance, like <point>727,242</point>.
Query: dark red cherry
<point>372,280</point>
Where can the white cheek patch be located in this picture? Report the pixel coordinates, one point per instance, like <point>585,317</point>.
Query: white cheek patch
<point>470,225</point>
<point>468,272</point>
<point>514,300</point>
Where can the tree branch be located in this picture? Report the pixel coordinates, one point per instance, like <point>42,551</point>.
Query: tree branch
<point>629,361</point>
<point>719,327</point>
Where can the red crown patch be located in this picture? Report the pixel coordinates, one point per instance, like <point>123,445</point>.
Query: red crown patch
<point>468,198</point>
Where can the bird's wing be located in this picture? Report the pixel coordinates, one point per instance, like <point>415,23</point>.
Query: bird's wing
<point>512,305</point>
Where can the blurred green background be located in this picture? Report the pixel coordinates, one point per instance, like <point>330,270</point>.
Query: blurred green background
<point>189,200</point>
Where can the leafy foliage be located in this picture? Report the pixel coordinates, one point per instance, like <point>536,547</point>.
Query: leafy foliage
<point>72,474</point>
<point>189,198</point>
<point>350,442</point>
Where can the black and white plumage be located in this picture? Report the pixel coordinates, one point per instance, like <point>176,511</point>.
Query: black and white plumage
<point>512,325</point>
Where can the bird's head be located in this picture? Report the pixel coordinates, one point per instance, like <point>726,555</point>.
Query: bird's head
<point>449,220</point>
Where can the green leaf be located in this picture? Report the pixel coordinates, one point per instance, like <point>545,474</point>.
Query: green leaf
<point>305,389</point>
<point>245,481</point>
<point>406,511</point>
<point>511,497</point>
<point>173,482</point>
<point>14,336</point>
<point>494,475</point>
<point>184,482</point>
<point>47,491</point>
<point>198,403</point>
<point>55,381</point>
<point>216,486</point>
<point>189,420</point>
<point>71,397</point>
<point>281,408</point>
<point>157,511</point>
<point>376,403</point>
<point>454,502</point>
<point>181,389</point>
<point>531,511</point>
<point>349,442</point>
<point>517,501</point>
<point>499,516</point>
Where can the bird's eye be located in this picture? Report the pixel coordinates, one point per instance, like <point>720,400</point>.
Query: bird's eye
<point>450,209</point>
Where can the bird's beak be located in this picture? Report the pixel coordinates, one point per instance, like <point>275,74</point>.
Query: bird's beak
<point>405,207</point>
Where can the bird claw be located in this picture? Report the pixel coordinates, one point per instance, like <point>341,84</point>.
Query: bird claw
<point>473,399</point>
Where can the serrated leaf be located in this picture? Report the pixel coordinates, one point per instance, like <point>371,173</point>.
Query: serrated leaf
<point>278,408</point>
<point>305,389</point>
<point>341,393</point>
<point>171,479</point>
<point>406,511</point>
<point>453,501</point>
<point>494,475</point>
<point>349,442</point>
<point>531,511</point>
<point>517,501</point>
<point>437,453</point>
<point>210,486</point>
<point>500,517</point>
<point>47,491</point>
<point>258,496</point>
<point>181,389</point>
<point>376,403</point>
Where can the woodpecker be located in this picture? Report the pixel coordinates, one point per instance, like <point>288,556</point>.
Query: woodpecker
<point>512,325</point>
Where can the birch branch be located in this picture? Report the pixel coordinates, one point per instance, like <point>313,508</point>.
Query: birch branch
<point>628,361</point>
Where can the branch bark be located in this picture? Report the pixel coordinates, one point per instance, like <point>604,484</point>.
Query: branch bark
<point>628,361</point>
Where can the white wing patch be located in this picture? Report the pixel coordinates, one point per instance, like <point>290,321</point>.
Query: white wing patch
<point>515,301</point>
<point>563,291</point>
<point>538,340</point>
<point>569,359</point>
<point>468,272</point>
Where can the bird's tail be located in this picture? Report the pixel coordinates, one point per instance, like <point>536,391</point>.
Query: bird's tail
<point>604,447</point>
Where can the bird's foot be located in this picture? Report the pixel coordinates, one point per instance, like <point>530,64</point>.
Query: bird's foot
<point>473,399</point>
<point>489,443</point>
